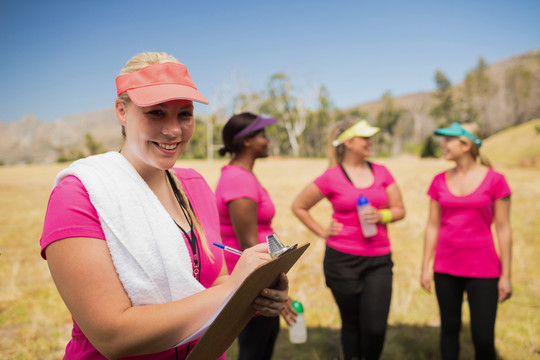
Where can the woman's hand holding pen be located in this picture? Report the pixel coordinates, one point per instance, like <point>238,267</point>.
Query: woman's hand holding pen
<point>250,259</point>
<point>271,300</point>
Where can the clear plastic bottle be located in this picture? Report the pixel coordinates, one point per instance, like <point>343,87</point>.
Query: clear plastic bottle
<point>368,230</point>
<point>298,331</point>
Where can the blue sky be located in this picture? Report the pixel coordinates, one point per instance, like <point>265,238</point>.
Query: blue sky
<point>60,58</point>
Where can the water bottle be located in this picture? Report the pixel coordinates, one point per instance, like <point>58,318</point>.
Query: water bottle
<point>368,230</point>
<point>297,331</point>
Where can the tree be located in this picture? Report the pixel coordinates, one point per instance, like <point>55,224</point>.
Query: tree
<point>315,139</point>
<point>279,102</point>
<point>477,84</point>
<point>387,119</point>
<point>519,82</point>
<point>444,109</point>
<point>357,113</point>
<point>430,147</point>
<point>469,110</point>
<point>93,146</point>
<point>389,115</point>
<point>198,144</point>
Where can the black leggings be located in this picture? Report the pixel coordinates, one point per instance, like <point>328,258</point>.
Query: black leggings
<point>257,339</point>
<point>482,296</point>
<point>364,313</point>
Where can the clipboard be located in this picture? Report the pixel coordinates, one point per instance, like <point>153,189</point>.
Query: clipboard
<point>238,311</point>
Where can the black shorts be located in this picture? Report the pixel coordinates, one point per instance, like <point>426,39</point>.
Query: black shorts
<point>344,272</point>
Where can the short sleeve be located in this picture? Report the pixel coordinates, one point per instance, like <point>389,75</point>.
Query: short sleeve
<point>238,187</point>
<point>434,189</point>
<point>323,182</point>
<point>500,186</point>
<point>386,177</point>
<point>70,213</point>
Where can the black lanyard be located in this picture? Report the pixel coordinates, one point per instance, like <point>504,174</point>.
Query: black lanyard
<point>347,175</point>
<point>191,237</point>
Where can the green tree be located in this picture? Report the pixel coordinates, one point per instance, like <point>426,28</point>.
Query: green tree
<point>389,115</point>
<point>314,141</point>
<point>444,108</point>
<point>94,147</point>
<point>477,84</point>
<point>68,154</point>
<point>279,102</point>
<point>356,113</point>
<point>518,82</point>
<point>430,147</point>
<point>470,112</point>
<point>197,148</point>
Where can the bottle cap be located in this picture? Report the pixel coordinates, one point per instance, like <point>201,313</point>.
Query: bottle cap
<point>297,306</point>
<point>362,200</point>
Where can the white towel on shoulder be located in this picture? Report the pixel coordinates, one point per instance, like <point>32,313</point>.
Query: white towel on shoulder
<point>146,246</point>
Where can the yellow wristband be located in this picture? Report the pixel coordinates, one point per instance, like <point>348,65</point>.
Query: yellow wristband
<point>386,216</point>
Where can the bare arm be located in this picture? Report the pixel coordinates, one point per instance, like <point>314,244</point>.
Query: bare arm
<point>504,236</point>
<point>243,213</point>
<point>430,242</point>
<point>223,274</point>
<point>395,202</point>
<point>86,279</point>
<point>310,196</point>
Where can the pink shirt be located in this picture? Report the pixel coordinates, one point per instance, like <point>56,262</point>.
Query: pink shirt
<point>237,183</point>
<point>71,214</point>
<point>342,194</point>
<point>465,246</point>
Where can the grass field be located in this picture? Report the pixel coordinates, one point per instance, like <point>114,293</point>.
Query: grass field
<point>34,323</point>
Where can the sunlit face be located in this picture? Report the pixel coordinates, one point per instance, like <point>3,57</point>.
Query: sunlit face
<point>453,147</point>
<point>156,135</point>
<point>361,146</point>
<point>259,144</point>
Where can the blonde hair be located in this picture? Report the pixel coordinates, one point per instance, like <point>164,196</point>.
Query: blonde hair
<point>136,63</point>
<point>474,129</point>
<point>196,223</point>
<point>336,153</point>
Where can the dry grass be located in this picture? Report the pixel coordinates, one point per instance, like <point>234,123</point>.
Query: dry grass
<point>34,323</point>
<point>516,145</point>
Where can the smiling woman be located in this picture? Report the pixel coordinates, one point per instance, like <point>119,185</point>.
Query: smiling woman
<point>126,234</point>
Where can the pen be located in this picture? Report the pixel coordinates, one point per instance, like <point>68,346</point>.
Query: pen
<point>229,249</point>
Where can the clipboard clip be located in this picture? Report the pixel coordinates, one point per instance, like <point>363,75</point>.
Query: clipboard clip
<point>276,247</point>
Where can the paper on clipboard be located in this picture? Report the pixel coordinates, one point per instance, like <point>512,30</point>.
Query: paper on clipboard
<point>235,313</point>
<point>199,333</point>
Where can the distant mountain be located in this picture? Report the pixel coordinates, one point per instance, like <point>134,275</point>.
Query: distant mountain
<point>514,98</point>
<point>508,103</point>
<point>32,140</point>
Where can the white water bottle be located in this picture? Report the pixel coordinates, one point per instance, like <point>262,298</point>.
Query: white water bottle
<point>298,331</point>
<point>368,230</point>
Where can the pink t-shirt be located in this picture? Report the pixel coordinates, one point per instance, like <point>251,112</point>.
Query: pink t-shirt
<point>342,194</point>
<point>465,246</point>
<point>71,214</point>
<point>237,183</point>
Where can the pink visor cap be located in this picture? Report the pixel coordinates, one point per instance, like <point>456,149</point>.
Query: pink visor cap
<point>159,83</point>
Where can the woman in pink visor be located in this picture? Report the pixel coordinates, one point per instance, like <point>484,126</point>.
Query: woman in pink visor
<point>126,235</point>
<point>464,202</point>
<point>245,215</point>
<point>357,265</point>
